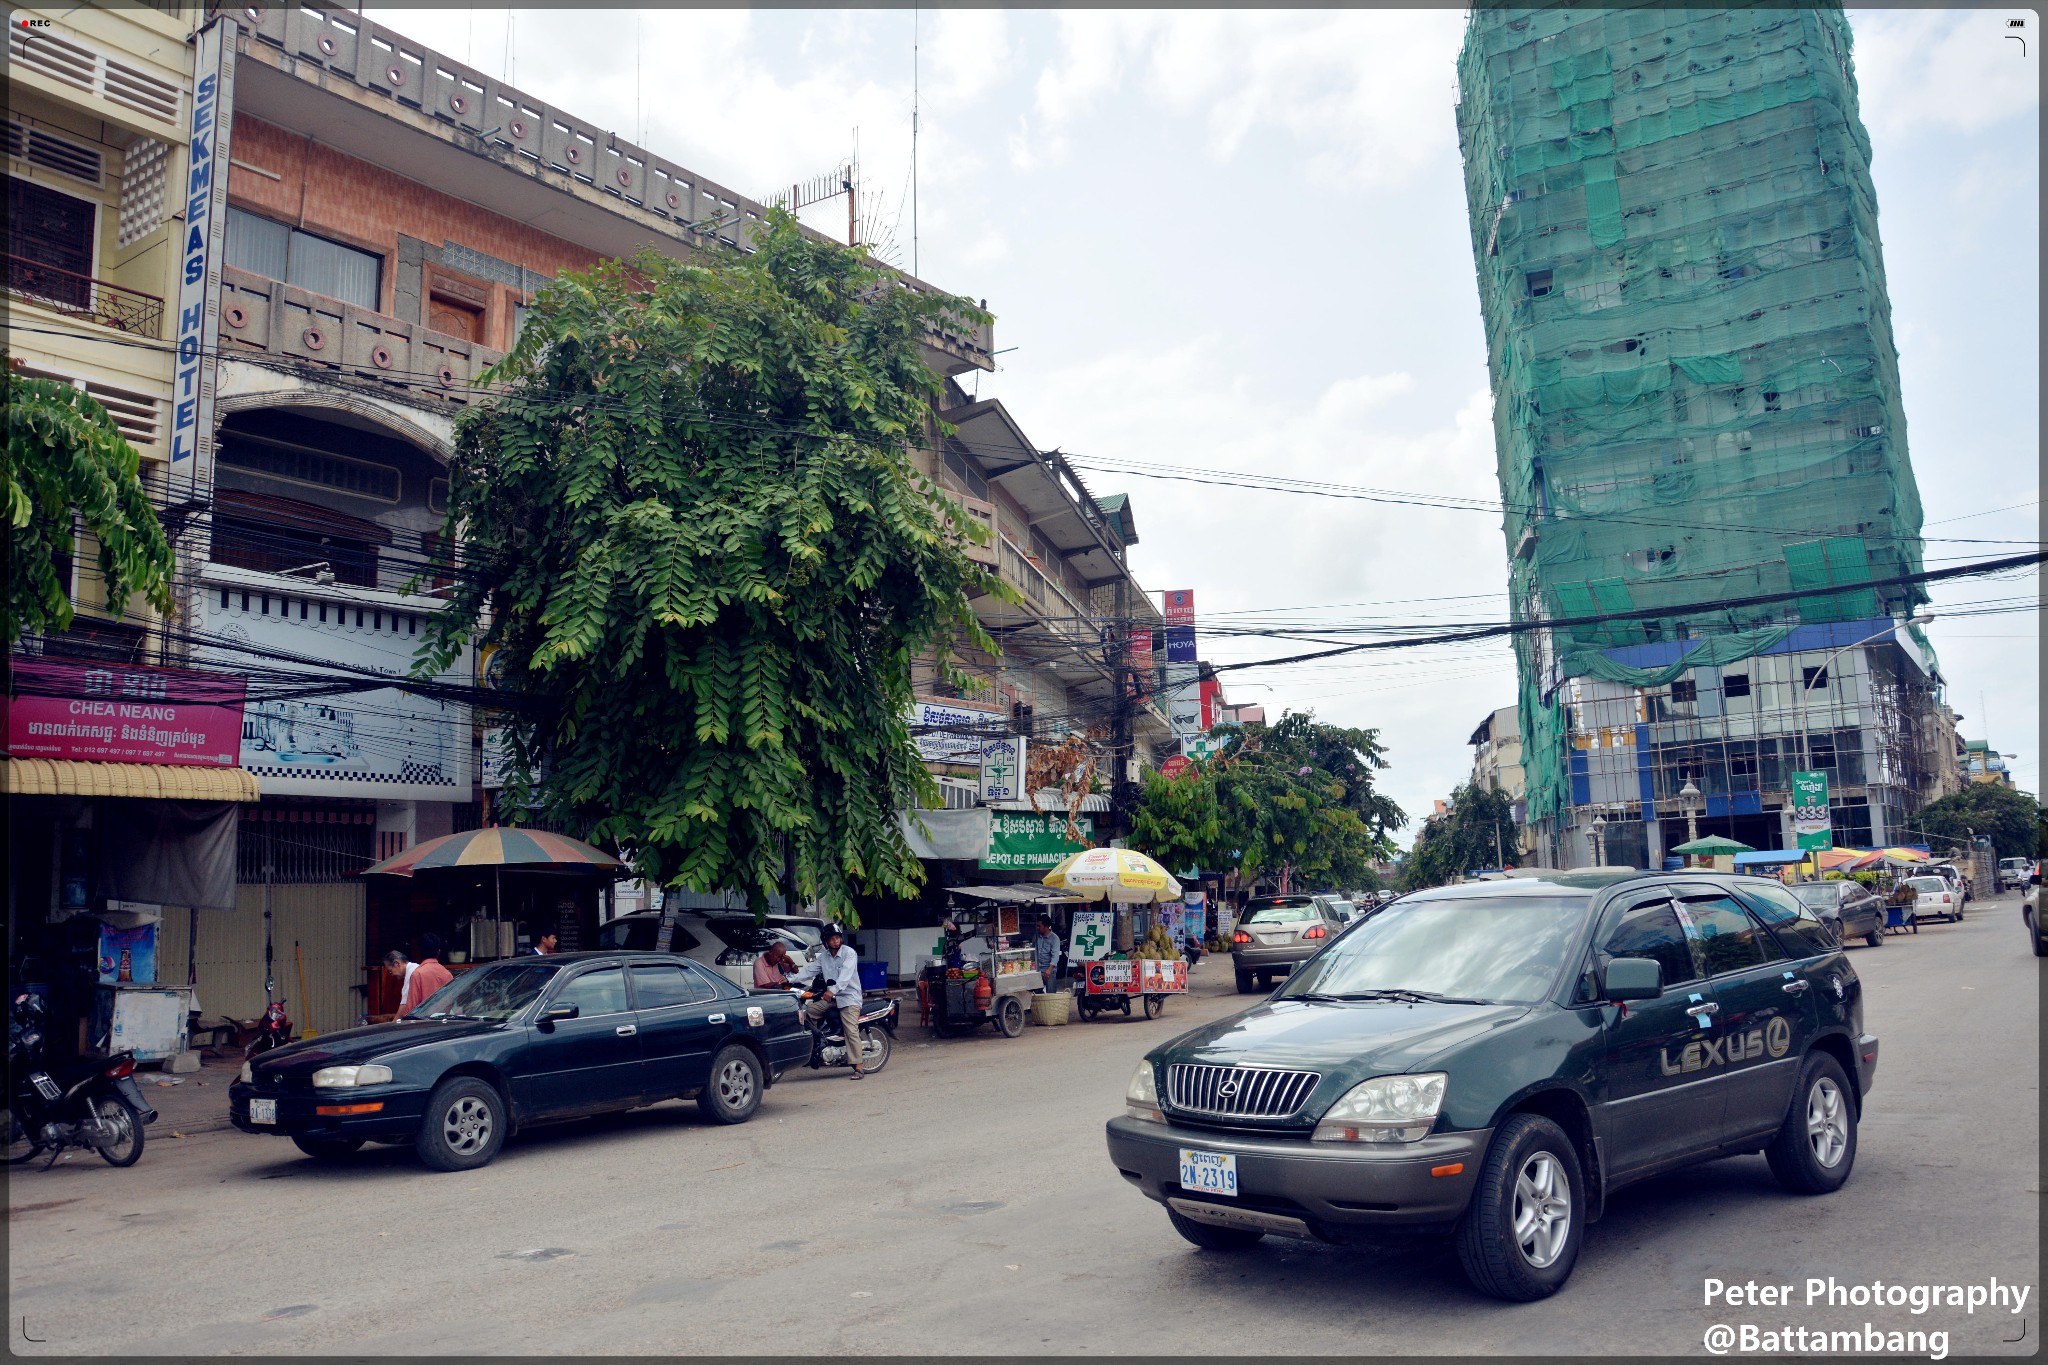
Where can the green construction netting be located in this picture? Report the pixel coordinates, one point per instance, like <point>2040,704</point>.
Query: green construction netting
<point>1695,383</point>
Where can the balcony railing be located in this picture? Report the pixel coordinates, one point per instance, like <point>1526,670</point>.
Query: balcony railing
<point>82,296</point>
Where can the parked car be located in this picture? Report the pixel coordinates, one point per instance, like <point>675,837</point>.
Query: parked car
<point>1851,909</point>
<point>2012,873</point>
<point>727,943</point>
<point>1934,895</point>
<point>1957,882</point>
<point>2028,904</point>
<point>1274,933</point>
<point>1343,909</point>
<point>1495,1059</point>
<point>523,1041</point>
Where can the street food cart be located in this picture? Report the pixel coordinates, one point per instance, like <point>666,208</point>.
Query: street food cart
<point>986,974</point>
<point>1104,980</point>
<point>1114,982</point>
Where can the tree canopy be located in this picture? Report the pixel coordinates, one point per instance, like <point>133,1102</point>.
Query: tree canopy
<point>2010,819</point>
<point>68,463</point>
<point>1296,799</point>
<point>693,528</point>
<point>1477,830</point>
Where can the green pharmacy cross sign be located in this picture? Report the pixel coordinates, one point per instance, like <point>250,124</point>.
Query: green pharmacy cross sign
<point>1810,812</point>
<point>1090,941</point>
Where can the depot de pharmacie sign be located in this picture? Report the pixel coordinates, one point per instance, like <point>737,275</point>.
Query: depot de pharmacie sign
<point>1020,841</point>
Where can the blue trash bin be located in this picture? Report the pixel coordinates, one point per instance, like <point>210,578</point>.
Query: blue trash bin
<point>874,975</point>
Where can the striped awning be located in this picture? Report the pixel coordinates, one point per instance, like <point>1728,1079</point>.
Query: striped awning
<point>148,781</point>
<point>532,849</point>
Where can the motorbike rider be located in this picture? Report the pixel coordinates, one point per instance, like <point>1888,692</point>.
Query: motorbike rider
<point>833,983</point>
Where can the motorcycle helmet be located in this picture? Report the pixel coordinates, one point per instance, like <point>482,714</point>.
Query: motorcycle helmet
<point>836,930</point>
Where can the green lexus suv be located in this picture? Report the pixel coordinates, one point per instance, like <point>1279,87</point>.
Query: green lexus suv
<point>1491,1060</point>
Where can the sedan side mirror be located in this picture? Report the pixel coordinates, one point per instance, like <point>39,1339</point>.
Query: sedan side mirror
<point>553,1014</point>
<point>1633,978</point>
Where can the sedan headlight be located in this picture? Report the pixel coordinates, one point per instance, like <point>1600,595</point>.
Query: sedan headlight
<point>1385,1109</point>
<point>1141,1096</point>
<point>341,1077</point>
<point>248,1073</point>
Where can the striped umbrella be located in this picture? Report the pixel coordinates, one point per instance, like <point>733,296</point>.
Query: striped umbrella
<point>528,849</point>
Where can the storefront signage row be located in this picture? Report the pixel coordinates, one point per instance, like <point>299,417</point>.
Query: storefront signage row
<point>107,713</point>
<point>1023,841</point>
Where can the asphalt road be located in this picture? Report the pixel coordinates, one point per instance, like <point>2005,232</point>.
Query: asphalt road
<point>961,1202</point>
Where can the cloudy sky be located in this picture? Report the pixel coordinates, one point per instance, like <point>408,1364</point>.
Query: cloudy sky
<point>1237,241</point>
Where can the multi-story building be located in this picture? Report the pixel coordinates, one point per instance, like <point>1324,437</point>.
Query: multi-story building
<point>1696,405</point>
<point>1982,763</point>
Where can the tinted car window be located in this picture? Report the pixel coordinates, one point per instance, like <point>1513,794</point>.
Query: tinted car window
<point>600,992</point>
<point>1725,937</point>
<point>489,992</point>
<point>1652,930</point>
<point>1492,948</point>
<point>633,934</point>
<point>657,985</point>
<point>1798,928</point>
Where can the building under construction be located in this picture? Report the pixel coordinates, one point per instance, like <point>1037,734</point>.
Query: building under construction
<point>1696,402</point>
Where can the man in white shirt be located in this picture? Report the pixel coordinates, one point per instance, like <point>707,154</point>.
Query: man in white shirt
<point>833,982</point>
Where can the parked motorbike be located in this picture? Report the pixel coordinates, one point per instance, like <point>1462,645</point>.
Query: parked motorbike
<point>91,1103</point>
<point>275,1031</point>
<point>828,1040</point>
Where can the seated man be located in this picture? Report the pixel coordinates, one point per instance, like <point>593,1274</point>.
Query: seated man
<point>772,968</point>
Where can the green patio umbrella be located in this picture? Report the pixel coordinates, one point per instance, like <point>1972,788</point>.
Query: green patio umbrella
<point>1713,846</point>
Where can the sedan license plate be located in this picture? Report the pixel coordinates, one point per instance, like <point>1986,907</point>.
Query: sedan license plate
<point>263,1111</point>
<point>1208,1173</point>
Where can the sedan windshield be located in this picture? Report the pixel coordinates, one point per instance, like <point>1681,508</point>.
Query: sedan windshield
<point>1816,893</point>
<point>494,993</point>
<point>1505,949</point>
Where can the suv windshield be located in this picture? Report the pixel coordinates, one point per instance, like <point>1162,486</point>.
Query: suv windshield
<point>1272,911</point>
<point>495,993</point>
<point>1490,950</point>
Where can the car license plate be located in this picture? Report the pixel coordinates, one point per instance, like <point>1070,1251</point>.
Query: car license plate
<point>263,1111</point>
<point>1208,1173</point>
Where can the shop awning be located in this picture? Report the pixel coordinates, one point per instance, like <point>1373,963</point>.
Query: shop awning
<point>1021,893</point>
<point>959,835</point>
<point>143,781</point>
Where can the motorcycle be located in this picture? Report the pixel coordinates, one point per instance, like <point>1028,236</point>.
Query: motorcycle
<point>828,1041</point>
<point>91,1103</point>
<point>274,1032</point>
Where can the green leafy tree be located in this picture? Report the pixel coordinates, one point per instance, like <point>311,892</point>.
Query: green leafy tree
<point>2010,819</point>
<point>695,531</point>
<point>1178,821</point>
<point>67,460</point>
<point>1476,830</point>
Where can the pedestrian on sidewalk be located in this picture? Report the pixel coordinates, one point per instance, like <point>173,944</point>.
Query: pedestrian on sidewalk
<point>1045,954</point>
<point>429,976</point>
<point>544,943</point>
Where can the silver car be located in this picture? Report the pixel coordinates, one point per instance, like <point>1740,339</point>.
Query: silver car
<point>1276,932</point>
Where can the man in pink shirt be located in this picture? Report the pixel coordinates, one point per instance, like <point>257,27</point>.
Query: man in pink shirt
<point>429,976</point>
<point>771,969</point>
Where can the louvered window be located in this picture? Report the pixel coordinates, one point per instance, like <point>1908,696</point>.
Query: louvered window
<point>39,147</point>
<point>71,62</point>
<point>138,415</point>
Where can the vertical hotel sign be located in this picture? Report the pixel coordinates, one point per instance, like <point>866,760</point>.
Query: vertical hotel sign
<point>205,213</point>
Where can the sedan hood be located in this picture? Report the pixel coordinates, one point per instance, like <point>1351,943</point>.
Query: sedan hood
<point>354,1046</point>
<point>1354,1040</point>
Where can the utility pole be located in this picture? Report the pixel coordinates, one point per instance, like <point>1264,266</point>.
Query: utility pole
<point>1121,746</point>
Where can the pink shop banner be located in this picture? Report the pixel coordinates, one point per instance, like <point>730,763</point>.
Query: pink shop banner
<point>122,713</point>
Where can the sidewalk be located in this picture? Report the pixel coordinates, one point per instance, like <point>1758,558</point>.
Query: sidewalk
<point>197,1102</point>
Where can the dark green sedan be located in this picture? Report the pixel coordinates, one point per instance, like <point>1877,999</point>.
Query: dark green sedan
<point>1492,1060</point>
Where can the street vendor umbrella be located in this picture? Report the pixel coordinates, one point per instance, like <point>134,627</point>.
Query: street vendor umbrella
<point>1713,846</point>
<point>1905,855</point>
<point>524,850</point>
<point>1833,859</point>
<point>1114,874</point>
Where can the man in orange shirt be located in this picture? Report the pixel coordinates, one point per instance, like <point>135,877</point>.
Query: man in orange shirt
<point>429,976</point>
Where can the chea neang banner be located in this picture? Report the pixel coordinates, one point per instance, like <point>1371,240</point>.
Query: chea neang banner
<point>119,713</point>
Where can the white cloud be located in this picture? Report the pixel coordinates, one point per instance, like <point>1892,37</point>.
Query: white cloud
<point>1942,72</point>
<point>965,54</point>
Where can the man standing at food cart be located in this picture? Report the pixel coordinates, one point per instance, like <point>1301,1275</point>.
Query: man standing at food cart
<point>1045,953</point>
<point>834,983</point>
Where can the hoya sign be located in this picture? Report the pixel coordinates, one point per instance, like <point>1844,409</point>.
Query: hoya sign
<point>1810,811</point>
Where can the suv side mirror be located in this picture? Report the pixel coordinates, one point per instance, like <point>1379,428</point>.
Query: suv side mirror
<point>553,1014</point>
<point>1632,978</point>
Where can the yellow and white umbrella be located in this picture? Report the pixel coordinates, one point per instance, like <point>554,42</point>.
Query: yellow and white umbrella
<point>1114,874</point>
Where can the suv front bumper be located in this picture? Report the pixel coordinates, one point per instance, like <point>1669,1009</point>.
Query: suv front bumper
<point>1334,1190</point>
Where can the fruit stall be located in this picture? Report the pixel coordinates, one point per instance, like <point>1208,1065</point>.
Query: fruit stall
<point>1153,970</point>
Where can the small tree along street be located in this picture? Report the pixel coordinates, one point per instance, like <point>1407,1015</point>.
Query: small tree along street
<point>2010,819</point>
<point>67,460</point>
<point>1295,799</point>
<point>1478,830</point>
<point>692,525</point>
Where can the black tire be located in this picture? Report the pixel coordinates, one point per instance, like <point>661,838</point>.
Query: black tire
<point>1528,1161</point>
<point>464,1125</point>
<point>1155,1005</point>
<point>1244,983</point>
<point>1209,1237</point>
<point>875,1046</point>
<point>1875,938</point>
<point>1815,1148</point>
<point>126,1150</point>
<point>1009,1016</point>
<point>733,1086</point>
<point>2034,934</point>
<point>328,1149</point>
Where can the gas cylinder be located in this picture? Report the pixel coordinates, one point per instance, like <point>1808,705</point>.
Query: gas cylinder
<point>983,993</point>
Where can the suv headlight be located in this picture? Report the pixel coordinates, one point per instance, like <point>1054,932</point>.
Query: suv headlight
<point>1141,1096</point>
<point>1385,1109</point>
<point>341,1077</point>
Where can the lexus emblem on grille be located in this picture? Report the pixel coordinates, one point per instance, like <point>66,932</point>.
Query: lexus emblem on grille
<point>1227,1089</point>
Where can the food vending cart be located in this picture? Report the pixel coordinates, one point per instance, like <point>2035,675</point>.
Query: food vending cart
<point>985,975</point>
<point>1113,982</point>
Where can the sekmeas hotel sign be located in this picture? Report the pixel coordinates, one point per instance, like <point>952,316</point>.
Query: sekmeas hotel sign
<point>206,212</point>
